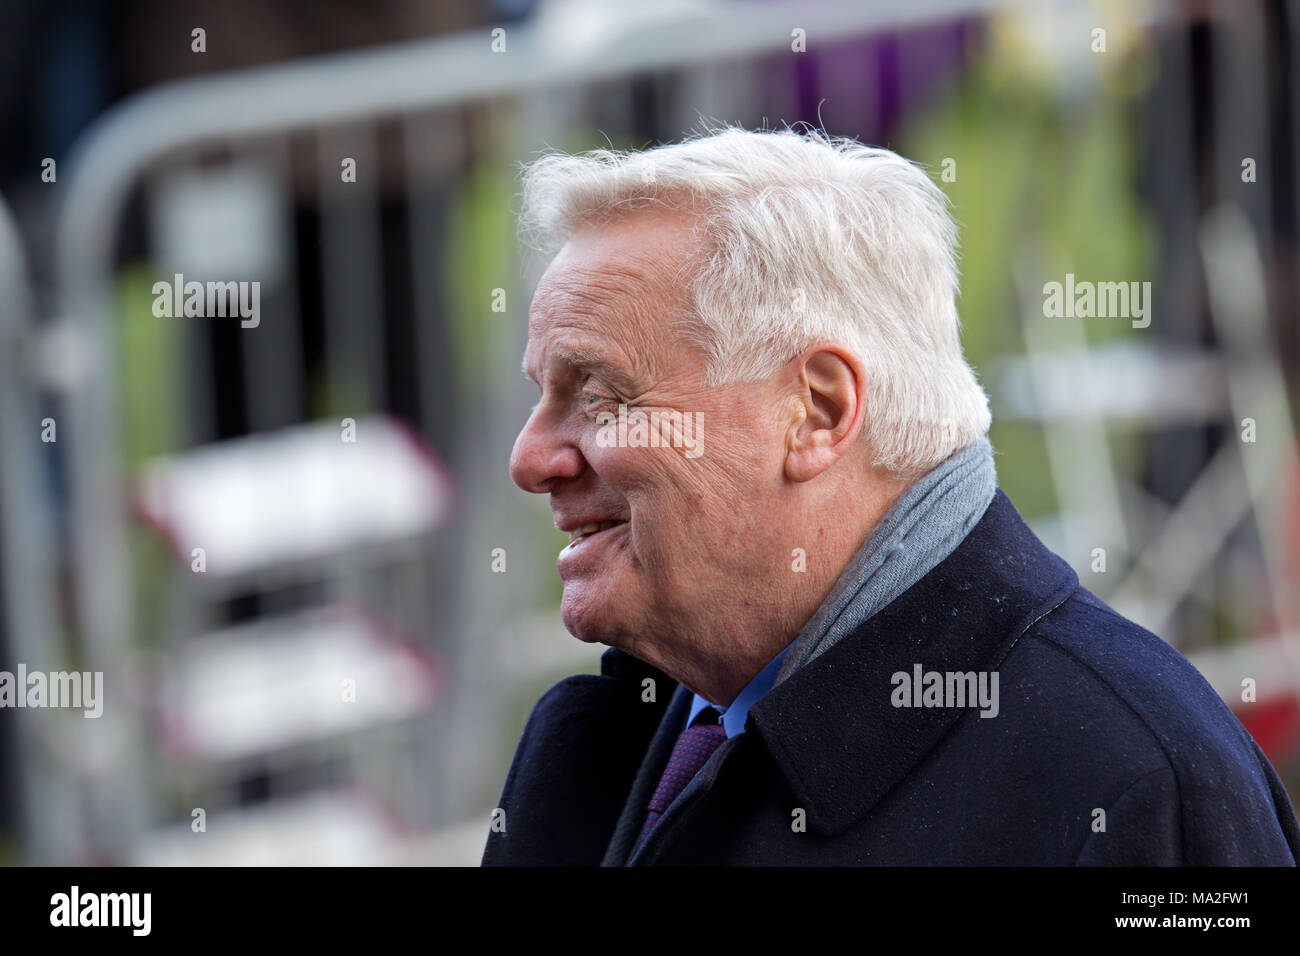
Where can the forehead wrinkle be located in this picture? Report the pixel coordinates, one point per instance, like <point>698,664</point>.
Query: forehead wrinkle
<point>593,296</point>
<point>596,291</point>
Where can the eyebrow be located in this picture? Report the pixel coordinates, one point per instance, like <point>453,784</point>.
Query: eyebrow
<point>583,359</point>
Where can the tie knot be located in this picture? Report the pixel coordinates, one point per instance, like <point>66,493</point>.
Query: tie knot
<point>708,715</point>
<point>692,751</point>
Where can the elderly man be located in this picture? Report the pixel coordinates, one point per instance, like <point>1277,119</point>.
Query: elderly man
<point>832,639</point>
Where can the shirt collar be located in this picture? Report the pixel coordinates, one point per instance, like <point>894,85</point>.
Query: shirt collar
<point>733,717</point>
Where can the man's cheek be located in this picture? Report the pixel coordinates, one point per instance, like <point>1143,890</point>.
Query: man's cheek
<point>652,476</point>
<point>712,487</point>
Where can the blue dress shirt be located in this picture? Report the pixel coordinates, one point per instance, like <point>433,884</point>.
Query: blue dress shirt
<point>733,717</point>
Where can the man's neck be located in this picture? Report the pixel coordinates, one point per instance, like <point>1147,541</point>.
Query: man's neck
<point>755,639</point>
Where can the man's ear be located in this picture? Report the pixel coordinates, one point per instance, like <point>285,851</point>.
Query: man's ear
<point>830,409</point>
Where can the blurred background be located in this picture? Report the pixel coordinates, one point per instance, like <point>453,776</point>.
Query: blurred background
<point>321,608</point>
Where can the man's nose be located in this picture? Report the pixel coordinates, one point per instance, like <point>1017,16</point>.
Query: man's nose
<point>541,455</point>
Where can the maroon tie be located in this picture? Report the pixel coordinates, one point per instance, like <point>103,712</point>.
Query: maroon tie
<point>695,745</point>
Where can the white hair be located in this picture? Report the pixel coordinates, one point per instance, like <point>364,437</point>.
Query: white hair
<point>805,238</point>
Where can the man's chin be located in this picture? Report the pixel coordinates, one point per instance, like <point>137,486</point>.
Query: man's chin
<point>586,615</point>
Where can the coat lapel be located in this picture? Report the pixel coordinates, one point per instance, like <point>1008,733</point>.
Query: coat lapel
<point>623,843</point>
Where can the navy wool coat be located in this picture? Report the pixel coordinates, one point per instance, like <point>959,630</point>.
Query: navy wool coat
<point>1108,747</point>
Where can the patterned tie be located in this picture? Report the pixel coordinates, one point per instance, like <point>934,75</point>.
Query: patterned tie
<point>695,745</point>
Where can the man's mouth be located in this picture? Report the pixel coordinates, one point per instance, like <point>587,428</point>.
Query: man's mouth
<point>587,530</point>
